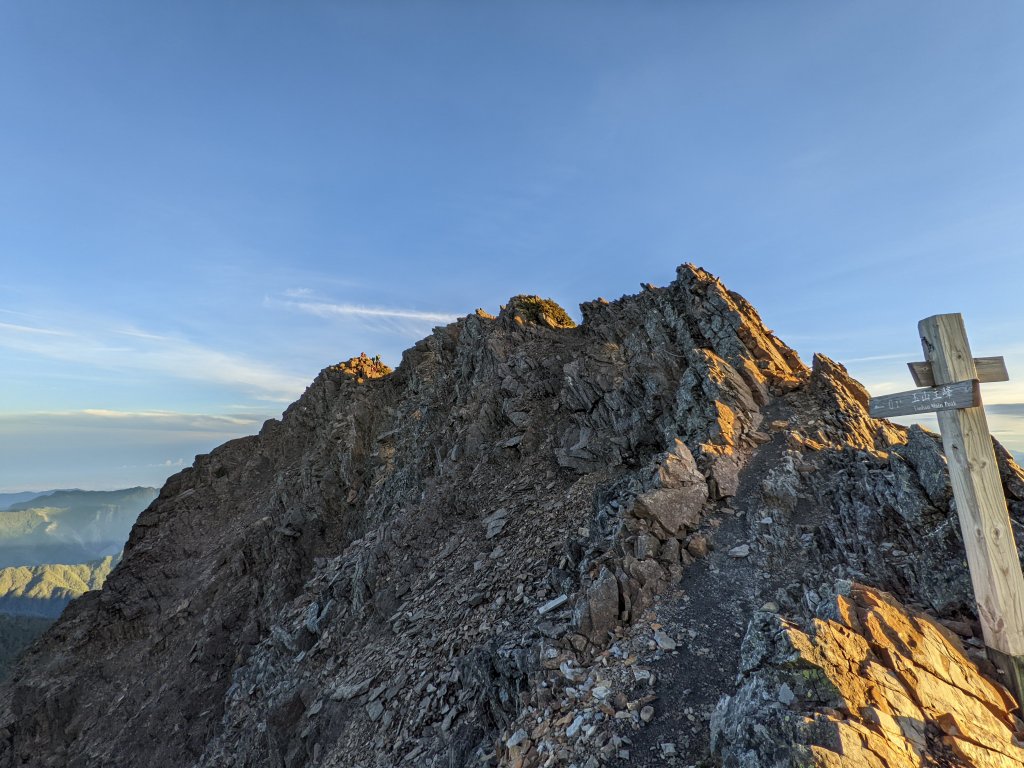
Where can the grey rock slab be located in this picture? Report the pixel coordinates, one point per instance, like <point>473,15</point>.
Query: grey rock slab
<point>516,738</point>
<point>574,728</point>
<point>351,690</point>
<point>374,710</point>
<point>598,613</point>
<point>495,523</point>
<point>664,641</point>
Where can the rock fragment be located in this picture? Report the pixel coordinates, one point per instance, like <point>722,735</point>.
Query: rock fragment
<point>495,522</point>
<point>552,604</point>
<point>664,641</point>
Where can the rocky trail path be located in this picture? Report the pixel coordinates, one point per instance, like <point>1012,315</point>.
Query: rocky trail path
<point>708,613</point>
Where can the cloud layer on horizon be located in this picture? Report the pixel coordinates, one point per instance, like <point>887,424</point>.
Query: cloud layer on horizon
<point>410,323</point>
<point>129,349</point>
<point>73,448</point>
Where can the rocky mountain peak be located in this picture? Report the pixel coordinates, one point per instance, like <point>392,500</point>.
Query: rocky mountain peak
<point>530,544</point>
<point>537,311</point>
<point>363,367</point>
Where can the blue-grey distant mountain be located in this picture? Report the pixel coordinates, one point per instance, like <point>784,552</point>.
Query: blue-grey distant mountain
<point>69,526</point>
<point>6,499</point>
<point>1011,409</point>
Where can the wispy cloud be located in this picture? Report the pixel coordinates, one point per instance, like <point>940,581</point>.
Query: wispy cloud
<point>874,358</point>
<point>165,464</point>
<point>104,419</point>
<point>169,463</point>
<point>327,309</point>
<point>137,334</point>
<point>100,448</point>
<point>11,327</point>
<point>883,387</point>
<point>404,322</point>
<point>164,416</point>
<point>133,349</point>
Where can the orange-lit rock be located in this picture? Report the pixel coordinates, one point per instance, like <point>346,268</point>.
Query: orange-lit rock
<point>873,684</point>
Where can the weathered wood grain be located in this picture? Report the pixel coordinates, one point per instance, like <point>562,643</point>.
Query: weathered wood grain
<point>960,394</point>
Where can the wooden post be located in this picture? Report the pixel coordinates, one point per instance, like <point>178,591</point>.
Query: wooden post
<point>981,505</point>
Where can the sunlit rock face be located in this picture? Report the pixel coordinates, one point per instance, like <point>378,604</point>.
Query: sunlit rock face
<point>532,543</point>
<point>866,682</point>
<point>363,367</point>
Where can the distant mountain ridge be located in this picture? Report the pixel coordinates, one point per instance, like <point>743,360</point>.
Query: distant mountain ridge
<point>6,499</point>
<point>44,590</point>
<point>85,499</point>
<point>54,546</point>
<point>70,526</point>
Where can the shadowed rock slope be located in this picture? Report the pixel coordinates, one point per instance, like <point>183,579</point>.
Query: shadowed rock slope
<point>533,544</point>
<point>16,634</point>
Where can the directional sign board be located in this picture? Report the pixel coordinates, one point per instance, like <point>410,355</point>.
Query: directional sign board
<point>960,394</point>
<point>989,369</point>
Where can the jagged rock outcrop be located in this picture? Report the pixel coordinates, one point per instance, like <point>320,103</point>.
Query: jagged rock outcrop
<point>530,544</point>
<point>866,683</point>
<point>534,309</point>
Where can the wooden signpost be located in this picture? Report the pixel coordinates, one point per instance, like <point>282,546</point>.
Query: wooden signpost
<point>991,551</point>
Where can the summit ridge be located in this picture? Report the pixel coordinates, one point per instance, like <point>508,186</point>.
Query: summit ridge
<point>625,542</point>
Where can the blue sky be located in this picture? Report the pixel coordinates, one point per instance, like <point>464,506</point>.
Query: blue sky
<point>203,204</point>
